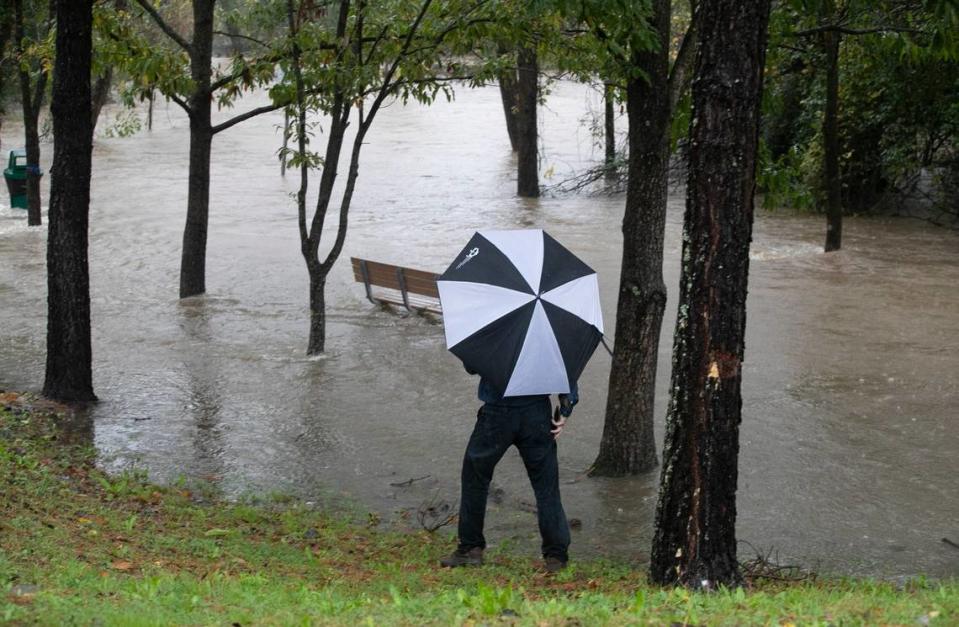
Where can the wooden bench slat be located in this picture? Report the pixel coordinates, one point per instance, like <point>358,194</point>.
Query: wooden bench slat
<point>421,290</point>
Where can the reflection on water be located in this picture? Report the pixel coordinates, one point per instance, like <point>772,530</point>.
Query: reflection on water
<point>850,381</point>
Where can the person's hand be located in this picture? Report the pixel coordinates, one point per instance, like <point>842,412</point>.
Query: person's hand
<point>567,402</point>
<point>558,423</point>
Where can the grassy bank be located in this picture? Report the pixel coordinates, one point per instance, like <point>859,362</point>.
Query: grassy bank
<point>77,546</point>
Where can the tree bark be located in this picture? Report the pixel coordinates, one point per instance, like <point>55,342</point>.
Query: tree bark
<point>609,129</point>
<point>830,133</point>
<point>193,260</point>
<point>31,97</point>
<point>317,341</point>
<point>101,89</point>
<point>69,354</point>
<point>628,446</point>
<point>6,28</point>
<point>695,538</point>
<point>101,93</point>
<point>507,92</point>
<point>527,92</point>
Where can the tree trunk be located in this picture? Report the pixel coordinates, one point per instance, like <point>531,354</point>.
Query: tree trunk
<point>830,134</point>
<point>317,342</point>
<point>69,356</point>
<point>507,92</point>
<point>695,537</point>
<point>6,28</point>
<point>150,113</point>
<point>527,92</point>
<point>101,92</point>
<point>609,127</point>
<point>193,262</point>
<point>31,97</point>
<point>628,446</point>
<point>31,123</point>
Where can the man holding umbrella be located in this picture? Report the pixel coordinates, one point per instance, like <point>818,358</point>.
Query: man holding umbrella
<point>523,312</point>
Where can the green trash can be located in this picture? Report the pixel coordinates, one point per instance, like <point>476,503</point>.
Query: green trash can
<point>16,177</point>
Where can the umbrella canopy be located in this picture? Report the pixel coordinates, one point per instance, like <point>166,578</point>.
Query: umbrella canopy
<point>522,311</point>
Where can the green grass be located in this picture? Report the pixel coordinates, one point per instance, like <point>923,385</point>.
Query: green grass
<point>81,547</point>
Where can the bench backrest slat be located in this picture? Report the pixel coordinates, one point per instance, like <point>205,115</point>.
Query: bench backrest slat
<point>384,275</point>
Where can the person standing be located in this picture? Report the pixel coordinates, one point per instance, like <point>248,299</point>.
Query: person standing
<point>530,424</point>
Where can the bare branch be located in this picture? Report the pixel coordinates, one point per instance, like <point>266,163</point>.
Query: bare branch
<point>239,36</point>
<point>183,104</point>
<point>681,73</point>
<point>166,28</point>
<point>252,113</point>
<point>838,28</point>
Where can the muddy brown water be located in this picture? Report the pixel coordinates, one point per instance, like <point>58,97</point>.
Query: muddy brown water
<point>851,379</point>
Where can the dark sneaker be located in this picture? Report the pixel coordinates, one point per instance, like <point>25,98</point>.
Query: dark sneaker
<point>554,564</point>
<point>473,557</point>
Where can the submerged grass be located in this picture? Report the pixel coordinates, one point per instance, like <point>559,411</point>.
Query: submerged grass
<point>79,547</point>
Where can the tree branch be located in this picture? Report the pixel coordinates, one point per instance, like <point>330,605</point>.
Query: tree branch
<point>681,73</point>
<point>239,36</point>
<point>252,113</point>
<point>182,103</point>
<point>166,28</point>
<point>837,28</point>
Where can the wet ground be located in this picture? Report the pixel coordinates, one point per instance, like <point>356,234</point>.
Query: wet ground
<point>851,379</point>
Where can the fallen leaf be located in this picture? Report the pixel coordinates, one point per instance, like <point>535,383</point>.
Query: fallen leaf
<point>121,565</point>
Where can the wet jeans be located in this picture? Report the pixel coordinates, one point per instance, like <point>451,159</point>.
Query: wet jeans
<point>528,428</point>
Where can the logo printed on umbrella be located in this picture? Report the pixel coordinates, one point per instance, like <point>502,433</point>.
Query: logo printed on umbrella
<point>472,253</point>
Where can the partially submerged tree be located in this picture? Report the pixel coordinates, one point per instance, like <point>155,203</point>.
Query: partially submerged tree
<point>695,537</point>
<point>814,32</point>
<point>186,75</point>
<point>33,21</point>
<point>69,355</point>
<point>376,50</point>
<point>631,47</point>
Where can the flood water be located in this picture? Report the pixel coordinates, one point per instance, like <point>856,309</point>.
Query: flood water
<point>851,379</point>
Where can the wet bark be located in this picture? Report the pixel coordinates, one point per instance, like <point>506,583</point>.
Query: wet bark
<point>193,260</point>
<point>628,446</point>
<point>527,94</point>
<point>695,539</point>
<point>609,129</point>
<point>104,82</point>
<point>830,131</point>
<point>198,108</point>
<point>317,341</point>
<point>101,93</point>
<point>31,98</point>
<point>507,92</point>
<point>69,354</point>
<point>6,29</point>
<point>150,112</point>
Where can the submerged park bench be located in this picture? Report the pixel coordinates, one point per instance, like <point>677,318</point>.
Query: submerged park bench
<point>394,285</point>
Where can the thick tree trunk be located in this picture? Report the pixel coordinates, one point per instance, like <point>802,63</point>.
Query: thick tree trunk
<point>69,355</point>
<point>527,94</point>
<point>609,128</point>
<point>193,261</point>
<point>507,92</point>
<point>830,133</point>
<point>628,446</point>
<point>695,537</point>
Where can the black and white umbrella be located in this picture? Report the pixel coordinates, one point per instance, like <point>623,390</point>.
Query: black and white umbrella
<point>522,311</point>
